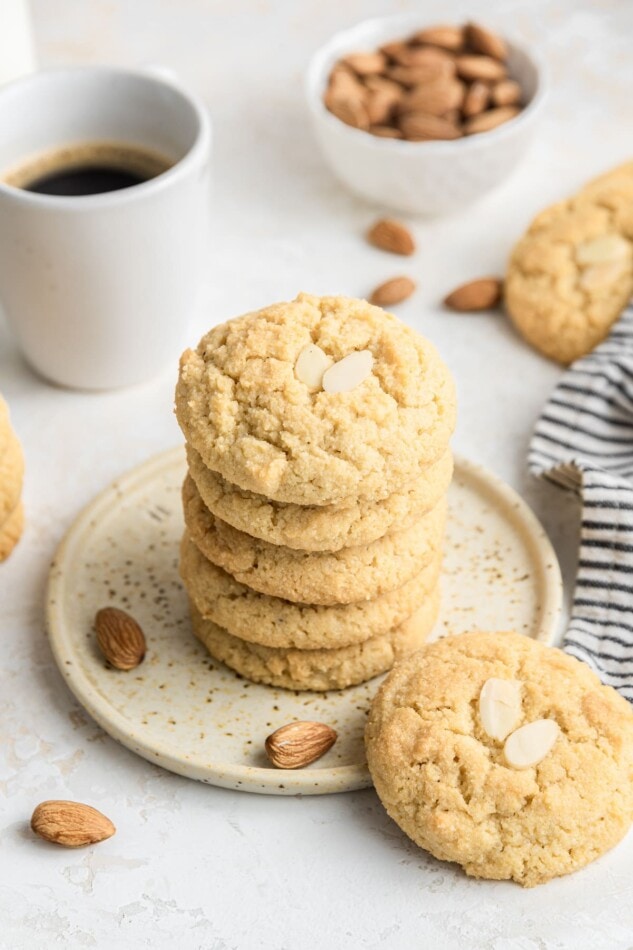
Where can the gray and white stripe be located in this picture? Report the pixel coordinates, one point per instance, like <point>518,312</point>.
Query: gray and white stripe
<point>583,441</point>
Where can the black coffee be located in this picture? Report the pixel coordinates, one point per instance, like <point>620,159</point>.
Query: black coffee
<point>87,168</point>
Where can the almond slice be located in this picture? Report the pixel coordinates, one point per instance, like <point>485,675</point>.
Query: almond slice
<point>601,276</point>
<point>349,372</point>
<point>603,249</point>
<point>310,366</point>
<point>531,743</point>
<point>500,707</point>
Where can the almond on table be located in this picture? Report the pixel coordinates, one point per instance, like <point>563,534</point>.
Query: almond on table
<point>392,291</point>
<point>481,294</point>
<point>439,84</point>
<point>390,235</point>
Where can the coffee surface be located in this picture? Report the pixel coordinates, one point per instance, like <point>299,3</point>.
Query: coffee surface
<point>86,168</point>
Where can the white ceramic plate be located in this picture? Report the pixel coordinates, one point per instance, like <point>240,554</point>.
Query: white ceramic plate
<point>192,715</point>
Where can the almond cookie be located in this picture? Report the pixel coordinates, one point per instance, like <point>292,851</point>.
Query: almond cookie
<point>325,527</point>
<point>11,532</point>
<point>274,622</point>
<point>507,808</point>
<point>340,577</point>
<point>11,474</point>
<point>250,400</point>
<point>571,275</point>
<point>5,426</point>
<point>317,669</point>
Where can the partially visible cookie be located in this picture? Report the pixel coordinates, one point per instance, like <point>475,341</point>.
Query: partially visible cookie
<point>275,622</point>
<point>245,407</point>
<point>449,785</point>
<point>340,577</point>
<point>320,527</point>
<point>571,274</point>
<point>11,532</point>
<point>5,426</point>
<point>11,474</point>
<point>317,669</point>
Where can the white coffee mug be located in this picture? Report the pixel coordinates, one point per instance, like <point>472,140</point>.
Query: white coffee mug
<point>100,289</point>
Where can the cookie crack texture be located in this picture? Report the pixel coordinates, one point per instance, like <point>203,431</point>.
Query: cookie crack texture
<point>446,784</point>
<point>254,422</point>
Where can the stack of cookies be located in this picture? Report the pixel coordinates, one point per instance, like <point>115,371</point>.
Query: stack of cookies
<point>318,451</point>
<point>11,474</point>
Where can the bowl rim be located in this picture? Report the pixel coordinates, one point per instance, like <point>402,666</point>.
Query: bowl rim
<point>321,60</point>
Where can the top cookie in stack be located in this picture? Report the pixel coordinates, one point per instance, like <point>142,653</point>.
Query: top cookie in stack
<point>318,455</point>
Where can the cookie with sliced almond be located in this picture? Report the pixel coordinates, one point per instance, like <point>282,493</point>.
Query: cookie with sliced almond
<point>503,755</point>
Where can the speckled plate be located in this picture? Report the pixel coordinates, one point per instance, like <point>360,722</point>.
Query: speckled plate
<point>192,715</point>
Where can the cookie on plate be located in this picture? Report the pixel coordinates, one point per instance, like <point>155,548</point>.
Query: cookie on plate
<point>320,527</point>
<point>467,769</point>
<point>571,274</point>
<point>340,577</point>
<point>275,622</point>
<point>317,669</point>
<point>262,402</point>
<point>11,531</point>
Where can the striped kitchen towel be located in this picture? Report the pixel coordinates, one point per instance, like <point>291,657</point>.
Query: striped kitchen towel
<point>583,441</point>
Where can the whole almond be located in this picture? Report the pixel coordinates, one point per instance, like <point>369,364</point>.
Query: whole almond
<point>350,109</point>
<point>390,235</point>
<point>299,743</point>
<point>482,294</point>
<point>120,638</point>
<point>490,119</point>
<point>71,824</point>
<point>480,67</point>
<point>394,49</point>
<point>485,41</point>
<point>476,99</point>
<point>364,64</point>
<point>344,82</point>
<point>392,291</point>
<point>385,131</point>
<point>434,98</point>
<point>382,84</point>
<point>422,127</point>
<point>428,56</point>
<point>447,37</point>
<point>506,93</point>
<point>419,74</point>
<point>381,104</point>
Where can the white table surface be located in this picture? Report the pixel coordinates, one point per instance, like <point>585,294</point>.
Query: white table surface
<point>193,866</point>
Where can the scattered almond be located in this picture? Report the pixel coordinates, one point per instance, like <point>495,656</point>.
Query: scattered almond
<point>422,127</point>
<point>349,372</point>
<point>71,824</point>
<point>529,744</point>
<point>390,235</point>
<point>491,119</point>
<point>506,93</point>
<point>392,291</point>
<point>447,37</point>
<point>482,294</point>
<point>444,75</point>
<point>485,41</point>
<point>120,638</point>
<point>299,743</point>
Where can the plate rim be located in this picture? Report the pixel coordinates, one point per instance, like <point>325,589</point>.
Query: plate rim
<point>239,777</point>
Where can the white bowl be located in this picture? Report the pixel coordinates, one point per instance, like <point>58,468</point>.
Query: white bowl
<point>420,177</point>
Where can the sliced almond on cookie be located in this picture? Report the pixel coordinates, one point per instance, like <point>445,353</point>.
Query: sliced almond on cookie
<point>603,249</point>
<point>310,366</point>
<point>530,744</point>
<point>500,707</point>
<point>349,372</point>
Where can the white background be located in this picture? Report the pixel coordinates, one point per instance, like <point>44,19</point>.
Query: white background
<point>192,866</point>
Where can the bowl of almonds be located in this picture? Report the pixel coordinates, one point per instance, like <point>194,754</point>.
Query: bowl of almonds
<point>424,119</point>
